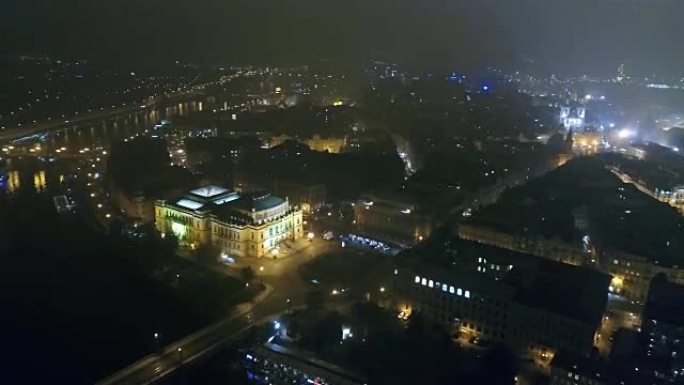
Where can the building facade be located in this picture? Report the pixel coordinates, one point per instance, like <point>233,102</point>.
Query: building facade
<point>251,225</point>
<point>309,196</point>
<point>664,325</point>
<point>631,274</point>
<point>553,249</point>
<point>392,220</point>
<point>528,302</point>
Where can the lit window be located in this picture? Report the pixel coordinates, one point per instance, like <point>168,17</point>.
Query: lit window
<point>444,287</point>
<point>459,292</point>
<point>467,294</point>
<point>615,261</point>
<point>431,283</point>
<point>423,281</point>
<point>417,279</point>
<point>396,271</point>
<point>451,289</point>
<point>479,268</point>
<point>479,260</point>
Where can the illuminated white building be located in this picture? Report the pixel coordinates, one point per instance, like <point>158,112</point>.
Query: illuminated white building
<point>572,118</point>
<point>249,225</point>
<point>674,197</point>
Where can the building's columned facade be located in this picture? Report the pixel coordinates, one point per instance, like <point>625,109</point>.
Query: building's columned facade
<point>243,226</point>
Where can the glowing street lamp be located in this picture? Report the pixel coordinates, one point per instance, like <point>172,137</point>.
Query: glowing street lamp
<point>157,336</point>
<point>310,236</point>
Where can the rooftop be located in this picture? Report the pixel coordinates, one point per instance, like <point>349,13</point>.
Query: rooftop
<point>190,204</point>
<point>208,191</point>
<point>258,202</point>
<point>227,205</point>
<point>621,218</point>
<point>579,364</point>
<point>576,292</point>
<point>665,302</point>
<point>309,363</point>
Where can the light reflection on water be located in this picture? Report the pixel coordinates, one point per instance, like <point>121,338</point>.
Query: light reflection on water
<point>43,181</point>
<point>105,131</point>
<point>39,176</point>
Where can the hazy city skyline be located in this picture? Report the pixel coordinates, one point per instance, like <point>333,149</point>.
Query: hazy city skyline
<point>572,37</point>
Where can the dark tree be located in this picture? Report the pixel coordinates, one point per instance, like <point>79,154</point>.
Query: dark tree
<point>315,299</point>
<point>325,333</point>
<point>247,273</point>
<point>206,254</point>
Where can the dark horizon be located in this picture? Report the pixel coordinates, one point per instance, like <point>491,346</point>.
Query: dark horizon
<point>565,37</point>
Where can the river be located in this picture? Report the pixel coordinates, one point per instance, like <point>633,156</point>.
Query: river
<point>41,162</point>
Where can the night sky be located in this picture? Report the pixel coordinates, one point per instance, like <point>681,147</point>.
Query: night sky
<point>564,36</point>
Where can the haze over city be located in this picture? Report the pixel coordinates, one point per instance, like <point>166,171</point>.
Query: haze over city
<point>558,36</point>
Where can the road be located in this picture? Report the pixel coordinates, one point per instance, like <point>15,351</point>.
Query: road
<point>620,314</point>
<point>285,290</point>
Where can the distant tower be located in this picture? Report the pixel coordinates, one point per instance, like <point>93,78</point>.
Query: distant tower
<point>581,112</point>
<point>621,73</point>
<point>569,142</point>
<point>566,152</point>
<point>564,113</point>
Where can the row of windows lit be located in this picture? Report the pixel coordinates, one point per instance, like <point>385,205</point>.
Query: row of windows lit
<point>445,288</point>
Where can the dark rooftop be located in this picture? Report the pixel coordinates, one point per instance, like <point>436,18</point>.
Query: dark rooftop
<point>665,302</point>
<point>587,367</point>
<point>575,292</point>
<point>258,202</point>
<point>620,216</point>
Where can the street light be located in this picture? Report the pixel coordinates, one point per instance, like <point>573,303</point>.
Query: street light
<point>310,236</point>
<point>157,336</point>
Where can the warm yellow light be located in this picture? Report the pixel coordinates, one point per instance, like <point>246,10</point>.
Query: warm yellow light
<point>616,284</point>
<point>616,281</point>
